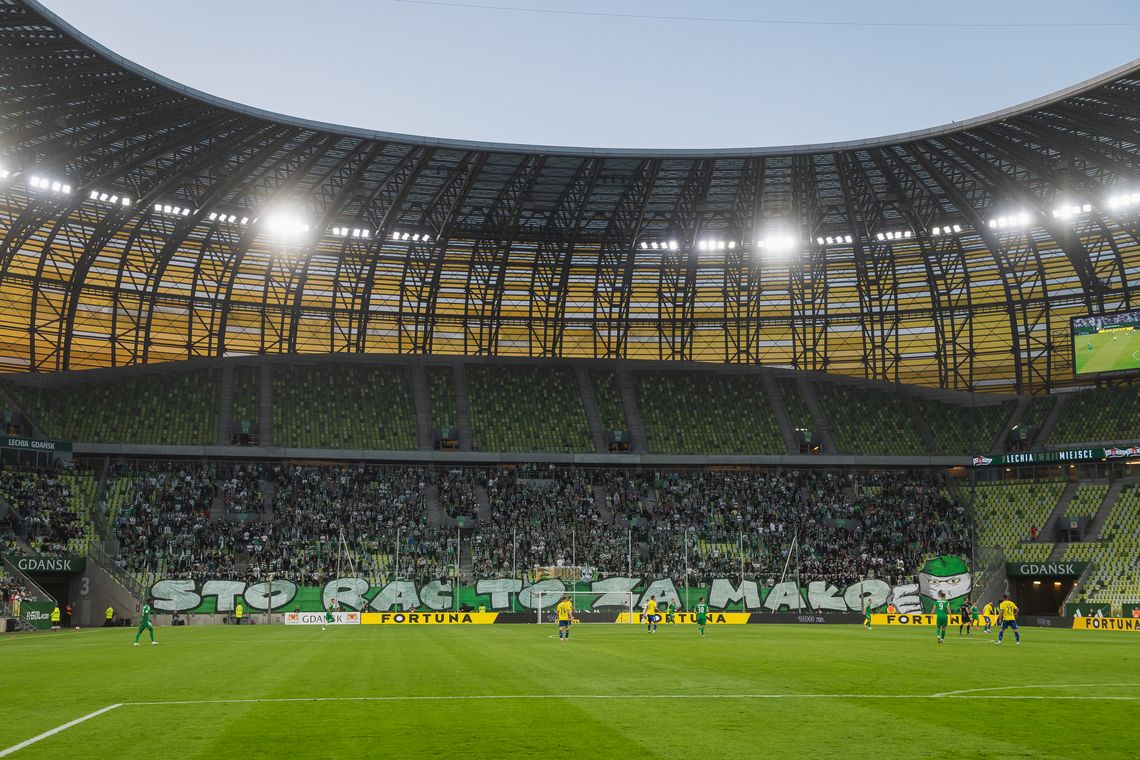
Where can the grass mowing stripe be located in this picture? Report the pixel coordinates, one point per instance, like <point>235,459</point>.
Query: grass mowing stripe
<point>56,730</point>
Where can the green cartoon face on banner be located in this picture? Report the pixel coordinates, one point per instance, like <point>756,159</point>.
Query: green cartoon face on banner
<point>944,574</point>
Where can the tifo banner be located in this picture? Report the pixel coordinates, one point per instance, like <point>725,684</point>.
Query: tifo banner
<point>319,618</point>
<point>428,618</point>
<point>718,618</point>
<point>925,619</point>
<point>942,575</point>
<point>1106,624</point>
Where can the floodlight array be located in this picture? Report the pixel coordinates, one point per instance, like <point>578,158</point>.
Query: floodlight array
<point>945,230</point>
<point>1068,212</point>
<point>834,240</point>
<point>112,198</point>
<point>353,232</point>
<point>894,235</point>
<point>1123,200</point>
<point>414,237</point>
<point>1013,221</point>
<point>223,217</point>
<point>777,242</point>
<point>54,186</point>
<point>171,210</point>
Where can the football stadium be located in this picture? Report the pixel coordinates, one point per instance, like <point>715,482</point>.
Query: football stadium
<point>323,442</point>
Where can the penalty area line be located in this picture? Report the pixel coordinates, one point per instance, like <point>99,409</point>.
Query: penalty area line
<point>56,730</point>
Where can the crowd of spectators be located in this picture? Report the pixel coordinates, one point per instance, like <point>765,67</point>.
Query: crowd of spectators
<point>44,504</point>
<point>512,521</point>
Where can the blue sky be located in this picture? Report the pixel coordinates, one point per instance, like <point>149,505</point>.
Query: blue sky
<point>482,73</point>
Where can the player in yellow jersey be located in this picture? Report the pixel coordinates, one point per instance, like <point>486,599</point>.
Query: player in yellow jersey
<point>651,616</point>
<point>988,614</point>
<point>565,612</point>
<point>1008,611</point>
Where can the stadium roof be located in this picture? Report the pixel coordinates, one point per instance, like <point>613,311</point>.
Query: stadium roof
<point>143,221</point>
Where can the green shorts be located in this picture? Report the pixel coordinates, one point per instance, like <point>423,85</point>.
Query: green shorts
<point>942,621</point>
<point>701,620</point>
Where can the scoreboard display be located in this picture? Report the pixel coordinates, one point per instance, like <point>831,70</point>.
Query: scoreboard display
<point>1106,343</point>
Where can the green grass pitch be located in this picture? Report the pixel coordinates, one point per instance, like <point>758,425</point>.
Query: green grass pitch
<point>516,691</point>
<point>1107,354</point>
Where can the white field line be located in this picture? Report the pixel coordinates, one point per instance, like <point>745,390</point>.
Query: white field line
<point>56,730</point>
<point>1036,686</point>
<point>476,697</point>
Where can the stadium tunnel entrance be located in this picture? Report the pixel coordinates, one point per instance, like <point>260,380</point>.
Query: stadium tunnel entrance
<point>1044,595</point>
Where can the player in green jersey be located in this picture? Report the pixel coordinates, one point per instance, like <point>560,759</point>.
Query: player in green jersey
<point>702,611</point>
<point>867,614</point>
<point>941,616</point>
<point>145,624</point>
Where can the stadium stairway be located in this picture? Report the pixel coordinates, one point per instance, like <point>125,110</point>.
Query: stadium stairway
<point>1059,509</point>
<point>921,425</point>
<point>434,508</point>
<point>1114,491</point>
<point>780,412</point>
<point>1018,413</point>
<point>265,424</point>
<point>624,377</point>
<point>217,508</point>
<point>817,415</point>
<point>1042,436</point>
<point>590,404</point>
<point>226,405</point>
<point>462,408</point>
<point>31,429</point>
<point>422,406</point>
<point>268,491</point>
<point>602,504</point>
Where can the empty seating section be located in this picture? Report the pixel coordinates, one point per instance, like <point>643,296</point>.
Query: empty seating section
<point>1005,512</point>
<point>53,508</point>
<point>247,397</point>
<point>178,407</point>
<point>610,410</point>
<point>1107,414</point>
<point>706,413</point>
<point>1115,575</point>
<point>441,393</point>
<point>348,407</point>
<point>959,429</point>
<point>798,412</point>
<point>867,420</point>
<point>526,408</point>
<point>1087,500</point>
<point>1036,411</point>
